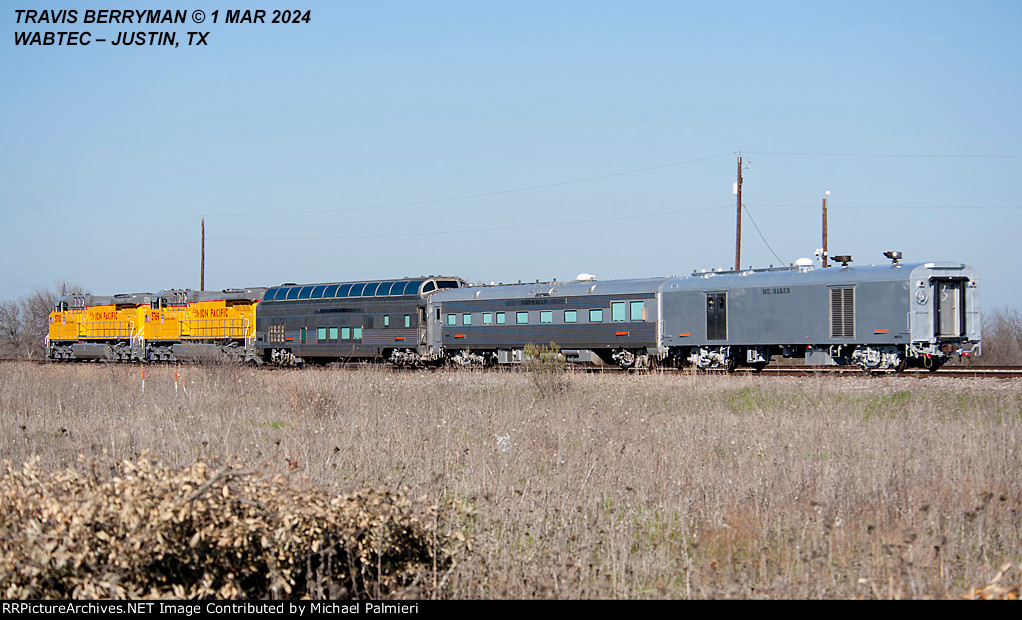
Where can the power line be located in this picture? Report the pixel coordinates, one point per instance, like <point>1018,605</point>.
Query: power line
<point>892,207</point>
<point>150,264</point>
<point>468,230</point>
<point>756,226</point>
<point>469,196</point>
<point>147,244</point>
<point>893,155</point>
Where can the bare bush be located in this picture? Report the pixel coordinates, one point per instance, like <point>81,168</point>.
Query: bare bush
<point>12,330</point>
<point>24,323</point>
<point>1002,337</point>
<point>150,532</point>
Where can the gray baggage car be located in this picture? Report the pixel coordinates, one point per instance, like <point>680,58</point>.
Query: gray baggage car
<point>887,316</point>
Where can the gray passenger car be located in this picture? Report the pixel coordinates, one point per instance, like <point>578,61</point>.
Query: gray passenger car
<point>385,319</point>
<point>614,321</point>
<point>886,316</point>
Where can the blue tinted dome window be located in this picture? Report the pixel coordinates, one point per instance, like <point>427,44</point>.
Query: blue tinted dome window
<point>412,288</point>
<point>357,289</point>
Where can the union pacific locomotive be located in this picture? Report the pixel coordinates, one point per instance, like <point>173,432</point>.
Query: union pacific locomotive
<point>885,316</point>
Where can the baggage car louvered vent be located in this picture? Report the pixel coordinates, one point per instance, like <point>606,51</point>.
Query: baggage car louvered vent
<point>842,313</point>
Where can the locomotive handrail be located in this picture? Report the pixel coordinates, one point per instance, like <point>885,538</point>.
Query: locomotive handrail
<point>217,328</point>
<point>249,338</point>
<point>106,329</point>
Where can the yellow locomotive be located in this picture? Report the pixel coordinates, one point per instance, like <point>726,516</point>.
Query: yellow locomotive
<point>172,325</point>
<point>93,327</point>
<point>185,324</point>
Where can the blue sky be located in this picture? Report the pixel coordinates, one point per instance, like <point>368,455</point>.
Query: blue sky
<point>511,141</point>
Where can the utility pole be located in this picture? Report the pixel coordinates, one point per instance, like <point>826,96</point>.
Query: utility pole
<point>738,220</point>
<point>202,259</point>
<point>825,228</point>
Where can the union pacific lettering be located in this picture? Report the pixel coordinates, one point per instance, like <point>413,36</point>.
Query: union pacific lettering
<point>101,315</point>
<point>212,313</point>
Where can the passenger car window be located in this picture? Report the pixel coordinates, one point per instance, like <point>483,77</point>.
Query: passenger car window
<point>617,311</point>
<point>637,309</point>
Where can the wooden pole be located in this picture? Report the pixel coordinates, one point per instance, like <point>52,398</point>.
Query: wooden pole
<point>825,231</point>
<point>738,219</point>
<point>202,260</point>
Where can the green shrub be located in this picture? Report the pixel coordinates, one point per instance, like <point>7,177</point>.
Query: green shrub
<point>547,368</point>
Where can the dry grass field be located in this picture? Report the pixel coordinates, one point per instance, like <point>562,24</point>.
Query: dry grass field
<point>600,486</point>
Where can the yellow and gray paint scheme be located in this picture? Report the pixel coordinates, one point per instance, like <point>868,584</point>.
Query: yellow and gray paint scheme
<point>173,325</point>
<point>885,316</point>
<point>94,327</point>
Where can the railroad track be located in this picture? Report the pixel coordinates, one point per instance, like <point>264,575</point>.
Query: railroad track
<point>1004,372</point>
<point>947,371</point>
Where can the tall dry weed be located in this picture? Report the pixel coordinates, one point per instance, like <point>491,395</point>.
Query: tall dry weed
<point>638,486</point>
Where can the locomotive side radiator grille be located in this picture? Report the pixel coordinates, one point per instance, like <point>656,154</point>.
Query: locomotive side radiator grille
<point>842,312</point>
